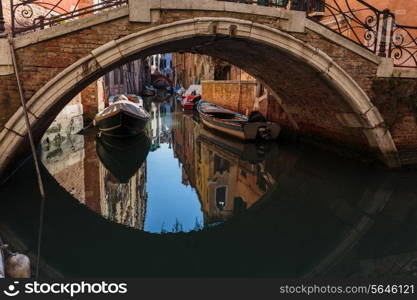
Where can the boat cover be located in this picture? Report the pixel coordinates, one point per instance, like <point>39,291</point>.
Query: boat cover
<point>125,106</point>
<point>194,87</point>
<point>216,110</point>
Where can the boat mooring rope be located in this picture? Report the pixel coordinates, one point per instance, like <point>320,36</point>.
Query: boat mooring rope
<point>33,149</point>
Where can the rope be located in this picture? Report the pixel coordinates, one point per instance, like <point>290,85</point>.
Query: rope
<point>35,158</point>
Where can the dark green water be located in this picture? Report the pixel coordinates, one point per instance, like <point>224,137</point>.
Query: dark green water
<point>198,204</point>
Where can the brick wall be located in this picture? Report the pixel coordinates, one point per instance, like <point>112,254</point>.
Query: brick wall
<point>312,102</point>
<point>235,95</point>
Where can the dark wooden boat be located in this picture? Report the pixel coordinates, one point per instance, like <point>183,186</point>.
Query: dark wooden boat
<point>189,102</point>
<point>123,157</point>
<point>122,118</point>
<point>149,91</point>
<point>239,126</point>
<point>191,97</point>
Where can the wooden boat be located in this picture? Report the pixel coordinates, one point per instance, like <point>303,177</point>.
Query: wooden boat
<point>149,91</point>
<point>123,157</point>
<point>189,99</point>
<point>122,118</point>
<point>135,99</point>
<point>239,126</point>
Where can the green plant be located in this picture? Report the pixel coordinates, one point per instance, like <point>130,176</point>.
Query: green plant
<point>390,94</point>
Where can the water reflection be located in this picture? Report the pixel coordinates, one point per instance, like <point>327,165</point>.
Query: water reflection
<point>124,178</point>
<point>192,178</point>
<point>122,157</point>
<point>297,211</point>
<point>228,175</point>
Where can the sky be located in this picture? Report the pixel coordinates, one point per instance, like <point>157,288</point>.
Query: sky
<point>168,199</point>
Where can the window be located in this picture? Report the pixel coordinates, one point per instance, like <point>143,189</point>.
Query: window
<point>221,197</point>
<point>220,165</point>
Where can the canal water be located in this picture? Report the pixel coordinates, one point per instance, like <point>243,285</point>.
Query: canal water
<point>183,201</point>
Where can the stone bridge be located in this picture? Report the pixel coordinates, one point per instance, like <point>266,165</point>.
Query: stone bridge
<point>326,86</point>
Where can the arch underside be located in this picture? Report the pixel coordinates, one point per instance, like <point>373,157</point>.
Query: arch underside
<point>316,94</point>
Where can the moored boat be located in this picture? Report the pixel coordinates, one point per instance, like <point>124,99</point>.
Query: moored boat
<point>191,97</point>
<point>189,102</point>
<point>122,118</point>
<point>135,99</point>
<point>149,91</point>
<point>239,126</point>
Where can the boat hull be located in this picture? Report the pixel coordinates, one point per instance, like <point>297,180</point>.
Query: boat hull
<point>235,131</point>
<point>241,128</point>
<point>188,105</point>
<point>121,124</point>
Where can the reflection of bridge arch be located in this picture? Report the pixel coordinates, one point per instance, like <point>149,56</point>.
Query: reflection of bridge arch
<point>292,231</point>
<point>300,68</point>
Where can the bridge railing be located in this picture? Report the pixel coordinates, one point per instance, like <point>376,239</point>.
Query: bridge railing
<point>373,29</point>
<point>357,20</point>
<point>31,15</point>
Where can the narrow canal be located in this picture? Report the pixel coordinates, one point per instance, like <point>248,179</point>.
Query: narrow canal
<point>181,200</point>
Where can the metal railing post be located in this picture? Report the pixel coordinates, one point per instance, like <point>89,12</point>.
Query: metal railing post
<point>382,51</point>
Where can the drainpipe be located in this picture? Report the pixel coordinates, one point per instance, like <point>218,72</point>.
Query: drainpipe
<point>240,91</point>
<point>2,28</point>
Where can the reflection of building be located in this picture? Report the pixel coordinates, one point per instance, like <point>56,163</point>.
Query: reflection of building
<point>225,183</point>
<point>160,124</point>
<point>124,203</point>
<point>63,151</point>
<point>73,161</point>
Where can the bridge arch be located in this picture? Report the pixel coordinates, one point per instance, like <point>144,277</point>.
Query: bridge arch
<point>279,56</point>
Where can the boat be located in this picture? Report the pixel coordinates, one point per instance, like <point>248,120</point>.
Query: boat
<point>179,90</point>
<point>239,126</point>
<point>170,89</point>
<point>123,157</point>
<point>149,91</point>
<point>191,97</point>
<point>193,89</point>
<point>135,99</point>
<point>122,118</point>
<point>188,103</point>
<point>161,83</point>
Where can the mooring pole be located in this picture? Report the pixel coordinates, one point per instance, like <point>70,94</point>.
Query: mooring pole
<point>33,149</point>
